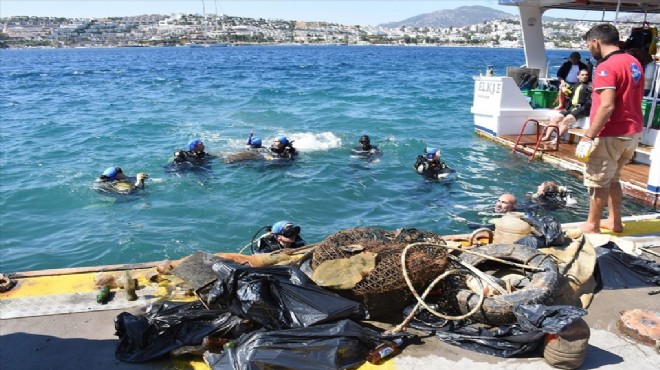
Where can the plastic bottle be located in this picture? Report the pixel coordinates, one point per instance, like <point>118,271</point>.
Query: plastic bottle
<point>384,350</point>
<point>103,294</point>
<point>129,288</point>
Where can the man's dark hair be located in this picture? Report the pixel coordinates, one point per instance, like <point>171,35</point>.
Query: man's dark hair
<point>606,33</point>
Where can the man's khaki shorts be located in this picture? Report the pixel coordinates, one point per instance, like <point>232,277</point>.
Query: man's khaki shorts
<point>607,159</point>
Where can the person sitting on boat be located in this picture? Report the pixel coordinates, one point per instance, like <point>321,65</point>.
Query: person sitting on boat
<point>283,148</point>
<point>430,165</point>
<point>365,149</point>
<point>283,234</point>
<point>113,180</point>
<point>579,104</point>
<point>568,72</point>
<point>568,76</point>
<point>551,195</point>
<point>253,142</point>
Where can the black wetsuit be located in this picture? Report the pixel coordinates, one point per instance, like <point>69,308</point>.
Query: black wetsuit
<point>287,152</point>
<point>431,169</point>
<point>185,160</point>
<point>269,244</point>
<point>366,151</point>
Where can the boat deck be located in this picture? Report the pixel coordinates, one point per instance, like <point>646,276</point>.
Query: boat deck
<point>634,177</point>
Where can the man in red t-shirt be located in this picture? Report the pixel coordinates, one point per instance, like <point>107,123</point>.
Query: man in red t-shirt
<point>615,127</point>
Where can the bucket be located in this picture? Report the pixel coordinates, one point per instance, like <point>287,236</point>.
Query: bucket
<point>568,349</point>
<point>509,229</point>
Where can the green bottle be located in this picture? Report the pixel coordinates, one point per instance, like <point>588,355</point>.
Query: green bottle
<point>103,295</point>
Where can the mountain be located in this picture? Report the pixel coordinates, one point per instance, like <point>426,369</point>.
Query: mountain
<point>459,17</point>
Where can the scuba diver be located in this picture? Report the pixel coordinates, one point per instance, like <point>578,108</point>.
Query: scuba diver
<point>366,149</point>
<point>282,235</point>
<point>430,165</point>
<point>550,196</point>
<point>113,180</point>
<point>505,203</point>
<point>282,148</point>
<point>194,157</point>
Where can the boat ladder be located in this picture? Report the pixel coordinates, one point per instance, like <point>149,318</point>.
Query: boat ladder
<point>522,147</point>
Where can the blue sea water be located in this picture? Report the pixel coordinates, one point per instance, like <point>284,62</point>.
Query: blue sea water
<point>69,114</point>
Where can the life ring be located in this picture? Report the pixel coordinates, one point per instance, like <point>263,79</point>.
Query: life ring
<point>498,309</point>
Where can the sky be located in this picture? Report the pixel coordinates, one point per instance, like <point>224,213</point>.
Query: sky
<point>361,12</point>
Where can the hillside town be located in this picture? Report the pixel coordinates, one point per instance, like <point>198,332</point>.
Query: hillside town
<point>195,29</point>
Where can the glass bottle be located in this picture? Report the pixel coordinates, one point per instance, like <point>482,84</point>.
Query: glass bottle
<point>384,350</point>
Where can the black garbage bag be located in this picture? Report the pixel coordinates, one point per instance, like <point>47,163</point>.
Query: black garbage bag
<point>523,337</point>
<point>616,269</point>
<point>278,297</point>
<point>337,345</point>
<point>170,326</point>
<point>548,231</point>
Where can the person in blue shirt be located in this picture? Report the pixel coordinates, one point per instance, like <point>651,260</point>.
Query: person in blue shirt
<point>283,234</point>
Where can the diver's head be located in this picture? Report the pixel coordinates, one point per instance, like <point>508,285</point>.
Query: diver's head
<point>365,142</point>
<point>196,145</point>
<point>280,143</point>
<point>286,232</point>
<point>255,142</point>
<point>547,188</point>
<point>505,203</point>
<point>431,153</point>
<point>113,173</point>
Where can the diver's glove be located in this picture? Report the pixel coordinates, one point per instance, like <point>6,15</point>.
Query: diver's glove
<point>583,150</point>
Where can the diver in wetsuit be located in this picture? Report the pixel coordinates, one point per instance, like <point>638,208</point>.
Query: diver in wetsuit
<point>283,234</point>
<point>113,180</point>
<point>283,148</point>
<point>551,196</point>
<point>430,165</point>
<point>194,157</point>
<point>365,149</point>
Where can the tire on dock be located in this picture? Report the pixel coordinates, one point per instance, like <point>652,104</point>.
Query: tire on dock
<point>498,310</point>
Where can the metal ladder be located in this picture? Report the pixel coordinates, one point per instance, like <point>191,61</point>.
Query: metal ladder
<point>521,147</point>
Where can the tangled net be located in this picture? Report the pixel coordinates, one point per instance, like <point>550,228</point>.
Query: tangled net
<point>383,290</point>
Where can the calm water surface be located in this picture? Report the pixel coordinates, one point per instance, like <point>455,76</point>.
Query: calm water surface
<point>68,114</point>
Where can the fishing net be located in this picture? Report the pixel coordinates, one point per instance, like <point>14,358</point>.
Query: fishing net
<point>383,290</point>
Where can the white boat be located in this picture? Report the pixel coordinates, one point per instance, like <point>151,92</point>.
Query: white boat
<point>500,109</point>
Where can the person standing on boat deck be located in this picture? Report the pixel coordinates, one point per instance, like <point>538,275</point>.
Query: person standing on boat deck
<point>615,127</point>
<point>283,234</point>
<point>253,142</point>
<point>579,104</point>
<point>430,165</point>
<point>283,148</point>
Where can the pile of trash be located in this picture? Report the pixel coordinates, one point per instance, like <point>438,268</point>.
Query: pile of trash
<point>311,312</point>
